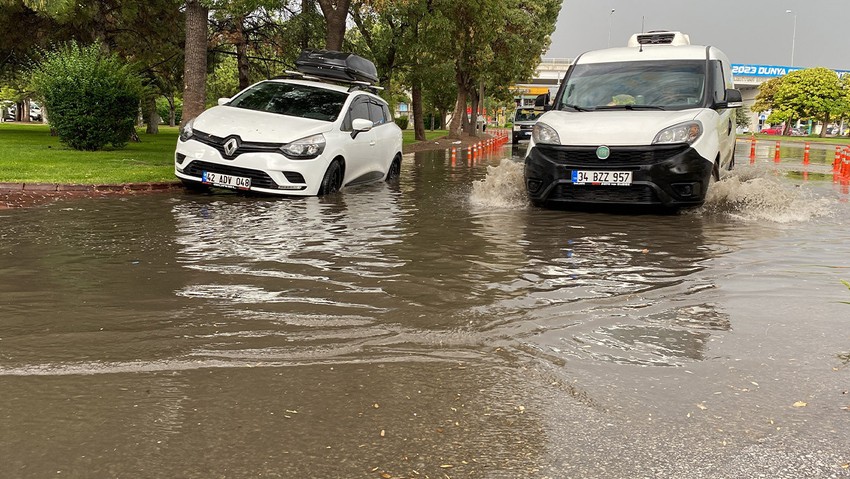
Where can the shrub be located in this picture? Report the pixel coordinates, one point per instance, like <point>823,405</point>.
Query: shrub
<point>93,98</point>
<point>401,122</point>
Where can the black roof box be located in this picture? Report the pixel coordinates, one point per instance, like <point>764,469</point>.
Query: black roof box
<point>336,65</point>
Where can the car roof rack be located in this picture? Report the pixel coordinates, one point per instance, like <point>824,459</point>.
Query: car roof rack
<point>352,84</point>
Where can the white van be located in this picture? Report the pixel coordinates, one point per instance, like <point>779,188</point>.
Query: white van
<point>651,123</point>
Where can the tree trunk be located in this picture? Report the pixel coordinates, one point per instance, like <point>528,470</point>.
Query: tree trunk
<point>195,72</point>
<point>153,116</point>
<point>172,114</point>
<point>442,119</point>
<point>242,54</point>
<point>472,127</point>
<point>307,8</point>
<point>458,115</point>
<point>335,12</point>
<point>823,128</point>
<point>418,117</point>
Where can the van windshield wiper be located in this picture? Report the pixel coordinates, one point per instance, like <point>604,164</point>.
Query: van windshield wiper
<point>630,107</point>
<point>575,107</point>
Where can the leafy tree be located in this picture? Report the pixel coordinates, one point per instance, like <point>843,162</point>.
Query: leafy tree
<point>742,117</point>
<point>766,101</point>
<point>812,93</point>
<point>93,97</point>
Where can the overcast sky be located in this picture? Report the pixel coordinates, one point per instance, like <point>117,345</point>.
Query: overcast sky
<point>750,32</point>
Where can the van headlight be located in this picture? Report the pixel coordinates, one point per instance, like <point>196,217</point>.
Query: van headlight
<point>543,133</point>
<point>305,148</point>
<point>687,132</point>
<point>187,132</point>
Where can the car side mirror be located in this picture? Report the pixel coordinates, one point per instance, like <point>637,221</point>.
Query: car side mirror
<point>360,124</point>
<point>542,102</point>
<point>223,101</point>
<point>733,99</point>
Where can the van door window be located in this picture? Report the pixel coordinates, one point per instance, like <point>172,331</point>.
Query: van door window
<point>717,81</point>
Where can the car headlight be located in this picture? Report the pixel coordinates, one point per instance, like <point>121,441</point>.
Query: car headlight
<point>517,128</point>
<point>543,133</point>
<point>687,132</point>
<point>305,148</point>
<point>186,132</point>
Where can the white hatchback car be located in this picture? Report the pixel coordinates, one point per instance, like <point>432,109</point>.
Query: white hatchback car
<point>302,135</point>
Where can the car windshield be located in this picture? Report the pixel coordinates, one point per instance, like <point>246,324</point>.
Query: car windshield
<point>527,115</point>
<point>663,85</point>
<point>292,100</point>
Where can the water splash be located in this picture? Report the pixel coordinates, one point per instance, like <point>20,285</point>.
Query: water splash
<point>502,187</point>
<point>759,194</point>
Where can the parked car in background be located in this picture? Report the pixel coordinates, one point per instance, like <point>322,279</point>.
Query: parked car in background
<point>35,112</point>
<point>773,130</point>
<point>308,133</point>
<point>7,109</point>
<point>523,121</point>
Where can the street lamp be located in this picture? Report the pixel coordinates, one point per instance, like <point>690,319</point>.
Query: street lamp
<point>610,22</point>
<point>793,36</point>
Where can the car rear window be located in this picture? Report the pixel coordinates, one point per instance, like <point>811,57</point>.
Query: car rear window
<point>292,100</point>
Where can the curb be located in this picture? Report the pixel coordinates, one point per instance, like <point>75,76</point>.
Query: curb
<point>46,188</point>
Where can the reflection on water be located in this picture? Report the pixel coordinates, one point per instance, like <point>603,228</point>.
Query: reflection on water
<point>440,301</point>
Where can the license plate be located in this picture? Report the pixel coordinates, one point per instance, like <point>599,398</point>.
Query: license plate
<point>604,178</point>
<point>226,181</point>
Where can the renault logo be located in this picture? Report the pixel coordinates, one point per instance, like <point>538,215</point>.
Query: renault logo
<point>603,152</point>
<point>230,146</point>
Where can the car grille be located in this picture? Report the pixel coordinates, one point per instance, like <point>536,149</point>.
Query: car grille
<point>259,179</point>
<point>604,194</point>
<point>218,142</point>
<point>585,156</point>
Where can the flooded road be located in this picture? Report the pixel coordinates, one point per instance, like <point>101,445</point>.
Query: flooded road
<point>441,328</point>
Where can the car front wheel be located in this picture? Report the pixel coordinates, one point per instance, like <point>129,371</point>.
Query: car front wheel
<point>395,170</point>
<point>332,181</point>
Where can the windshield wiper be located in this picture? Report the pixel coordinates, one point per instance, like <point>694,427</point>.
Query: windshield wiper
<point>630,107</point>
<point>575,107</point>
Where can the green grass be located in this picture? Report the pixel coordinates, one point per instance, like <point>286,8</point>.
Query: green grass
<point>28,154</point>
<point>408,135</point>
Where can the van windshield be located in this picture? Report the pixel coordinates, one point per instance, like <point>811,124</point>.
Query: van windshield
<point>664,85</point>
<point>527,114</point>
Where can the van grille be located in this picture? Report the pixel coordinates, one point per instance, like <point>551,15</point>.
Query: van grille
<point>637,194</point>
<point>585,156</point>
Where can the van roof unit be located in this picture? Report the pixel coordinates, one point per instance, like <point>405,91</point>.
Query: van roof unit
<point>659,37</point>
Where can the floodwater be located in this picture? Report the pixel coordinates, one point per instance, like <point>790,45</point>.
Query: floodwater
<point>440,328</point>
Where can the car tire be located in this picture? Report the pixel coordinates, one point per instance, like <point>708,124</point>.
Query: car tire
<point>332,181</point>
<point>515,140</point>
<point>715,171</point>
<point>395,170</point>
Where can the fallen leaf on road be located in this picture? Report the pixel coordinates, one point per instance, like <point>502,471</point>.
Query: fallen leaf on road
<point>702,406</point>
<point>801,404</point>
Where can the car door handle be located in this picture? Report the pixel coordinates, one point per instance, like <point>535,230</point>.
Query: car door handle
<point>372,143</point>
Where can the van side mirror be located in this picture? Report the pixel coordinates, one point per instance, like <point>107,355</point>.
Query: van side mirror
<point>733,99</point>
<point>542,102</point>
